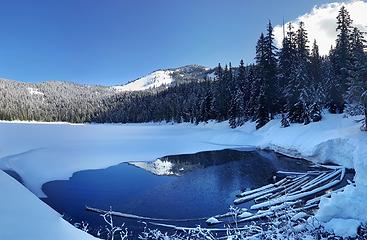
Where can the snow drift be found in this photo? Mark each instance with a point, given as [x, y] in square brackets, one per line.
[24, 216]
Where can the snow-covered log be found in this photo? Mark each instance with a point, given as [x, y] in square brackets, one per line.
[279, 183]
[299, 195]
[320, 181]
[136, 217]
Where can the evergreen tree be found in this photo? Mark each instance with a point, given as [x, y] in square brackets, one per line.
[223, 91]
[206, 107]
[341, 60]
[315, 74]
[287, 65]
[236, 111]
[244, 86]
[358, 73]
[300, 92]
[241, 76]
[262, 117]
[266, 84]
[261, 85]
[334, 96]
[219, 72]
[270, 84]
[254, 92]
[285, 122]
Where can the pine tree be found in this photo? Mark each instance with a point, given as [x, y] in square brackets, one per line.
[232, 113]
[236, 111]
[300, 92]
[334, 96]
[266, 71]
[262, 117]
[254, 92]
[271, 86]
[358, 73]
[241, 76]
[223, 92]
[287, 66]
[261, 85]
[243, 85]
[284, 122]
[315, 74]
[341, 61]
[314, 112]
[219, 72]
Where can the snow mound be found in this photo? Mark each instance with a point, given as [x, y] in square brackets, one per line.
[245, 215]
[24, 216]
[212, 220]
[343, 227]
[349, 204]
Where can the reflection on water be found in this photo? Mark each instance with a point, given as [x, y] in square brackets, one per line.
[208, 186]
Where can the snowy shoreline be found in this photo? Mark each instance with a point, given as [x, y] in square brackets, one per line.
[56, 151]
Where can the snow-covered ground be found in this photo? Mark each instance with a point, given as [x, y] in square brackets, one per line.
[45, 152]
[23, 216]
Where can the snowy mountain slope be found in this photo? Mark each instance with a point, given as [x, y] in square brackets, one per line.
[153, 80]
[165, 78]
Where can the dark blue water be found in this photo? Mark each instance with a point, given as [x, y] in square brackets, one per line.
[207, 188]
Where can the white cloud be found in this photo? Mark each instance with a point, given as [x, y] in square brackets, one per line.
[320, 23]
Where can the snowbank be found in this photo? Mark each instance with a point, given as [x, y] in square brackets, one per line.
[24, 216]
[41, 152]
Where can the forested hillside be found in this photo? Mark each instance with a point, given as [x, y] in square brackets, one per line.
[293, 81]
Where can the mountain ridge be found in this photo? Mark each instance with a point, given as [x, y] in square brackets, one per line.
[165, 78]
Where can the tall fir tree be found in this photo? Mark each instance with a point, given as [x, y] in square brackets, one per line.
[315, 74]
[358, 73]
[206, 107]
[287, 66]
[271, 86]
[300, 96]
[254, 92]
[223, 86]
[262, 117]
[236, 110]
[341, 61]
[262, 104]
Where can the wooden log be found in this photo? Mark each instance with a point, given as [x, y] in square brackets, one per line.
[297, 196]
[136, 217]
[279, 183]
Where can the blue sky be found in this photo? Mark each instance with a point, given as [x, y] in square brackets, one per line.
[110, 42]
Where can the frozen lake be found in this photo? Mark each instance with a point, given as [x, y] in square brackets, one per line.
[207, 186]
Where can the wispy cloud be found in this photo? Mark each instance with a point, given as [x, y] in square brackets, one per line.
[321, 22]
